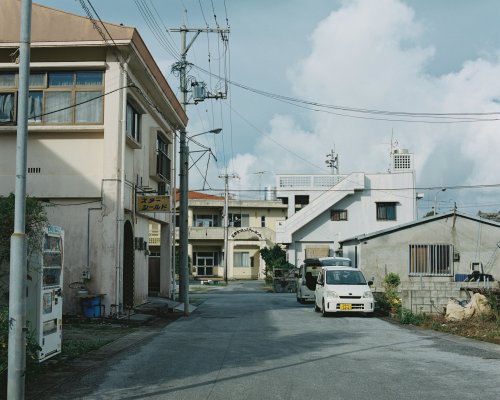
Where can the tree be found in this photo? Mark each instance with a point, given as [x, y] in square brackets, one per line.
[36, 220]
[274, 257]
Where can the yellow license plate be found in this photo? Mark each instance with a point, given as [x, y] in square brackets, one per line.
[346, 307]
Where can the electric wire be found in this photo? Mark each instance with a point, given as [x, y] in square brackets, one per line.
[452, 117]
[155, 28]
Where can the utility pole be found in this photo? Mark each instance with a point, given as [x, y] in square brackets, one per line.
[226, 218]
[18, 264]
[181, 67]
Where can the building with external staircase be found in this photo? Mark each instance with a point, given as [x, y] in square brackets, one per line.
[322, 210]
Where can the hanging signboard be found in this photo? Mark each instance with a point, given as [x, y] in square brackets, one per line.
[153, 203]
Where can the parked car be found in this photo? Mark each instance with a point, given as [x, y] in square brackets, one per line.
[343, 289]
[307, 275]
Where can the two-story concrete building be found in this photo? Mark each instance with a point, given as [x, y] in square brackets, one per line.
[102, 122]
[324, 209]
[251, 227]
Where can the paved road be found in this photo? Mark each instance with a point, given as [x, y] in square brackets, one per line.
[242, 343]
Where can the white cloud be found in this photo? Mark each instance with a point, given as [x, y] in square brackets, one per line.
[367, 55]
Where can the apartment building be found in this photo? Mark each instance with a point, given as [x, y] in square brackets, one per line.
[102, 122]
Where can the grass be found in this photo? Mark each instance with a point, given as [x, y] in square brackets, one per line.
[484, 329]
[80, 336]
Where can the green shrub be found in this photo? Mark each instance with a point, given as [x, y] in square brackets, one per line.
[32, 346]
[392, 280]
[390, 297]
[407, 317]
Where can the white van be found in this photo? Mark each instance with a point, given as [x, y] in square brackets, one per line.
[343, 289]
[307, 275]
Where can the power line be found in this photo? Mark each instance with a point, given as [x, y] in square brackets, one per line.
[453, 117]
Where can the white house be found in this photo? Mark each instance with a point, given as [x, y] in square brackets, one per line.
[432, 256]
[102, 122]
[325, 209]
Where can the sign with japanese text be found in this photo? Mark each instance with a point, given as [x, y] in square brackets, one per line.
[153, 203]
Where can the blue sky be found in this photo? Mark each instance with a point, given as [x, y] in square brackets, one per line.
[437, 56]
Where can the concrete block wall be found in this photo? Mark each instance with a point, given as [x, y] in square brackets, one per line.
[432, 297]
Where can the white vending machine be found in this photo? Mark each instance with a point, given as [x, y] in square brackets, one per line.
[45, 297]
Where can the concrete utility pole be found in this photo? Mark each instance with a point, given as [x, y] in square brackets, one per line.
[226, 218]
[182, 66]
[18, 269]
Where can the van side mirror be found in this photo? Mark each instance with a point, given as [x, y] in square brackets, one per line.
[370, 283]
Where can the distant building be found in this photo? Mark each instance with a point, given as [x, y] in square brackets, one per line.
[102, 122]
[325, 209]
[251, 227]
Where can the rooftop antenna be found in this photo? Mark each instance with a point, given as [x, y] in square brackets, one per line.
[392, 147]
[332, 161]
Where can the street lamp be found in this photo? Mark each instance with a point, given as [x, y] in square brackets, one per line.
[435, 199]
[183, 216]
[216, 131]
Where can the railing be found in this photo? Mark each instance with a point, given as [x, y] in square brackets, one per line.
[308, 181]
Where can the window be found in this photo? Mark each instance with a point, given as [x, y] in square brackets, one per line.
[7, 101]
[7, 80]
[205, 262]
[133, 123]
[35, 104]
[55, 97]
[162, 160]
[162, 188]
[57, 101]
[241, 259]
[386, 211]
[263, 221]
[89, 109]
[206, 220]
[431, 259]
[338, 215]
[239, 220]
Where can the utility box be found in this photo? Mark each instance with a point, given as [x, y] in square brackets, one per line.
[44, 302]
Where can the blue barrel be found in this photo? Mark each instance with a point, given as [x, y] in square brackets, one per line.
[91, 306]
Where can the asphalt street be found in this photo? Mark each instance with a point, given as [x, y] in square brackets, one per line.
[244, 343]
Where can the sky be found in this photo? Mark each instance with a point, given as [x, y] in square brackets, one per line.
[411, 56]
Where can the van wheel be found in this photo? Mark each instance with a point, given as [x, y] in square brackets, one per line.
[323, 311]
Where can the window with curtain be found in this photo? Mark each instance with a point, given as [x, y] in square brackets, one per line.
[91, 109]
[386, 211]
[431, 259]
[35, 100]
[7, 80]
[7, 107]
[56, 110]
[55, 94]
[241, 259]
[338, 215]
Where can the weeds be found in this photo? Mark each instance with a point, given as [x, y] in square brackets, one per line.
[406, 317]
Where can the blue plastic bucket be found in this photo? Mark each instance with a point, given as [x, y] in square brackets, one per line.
[91, 307]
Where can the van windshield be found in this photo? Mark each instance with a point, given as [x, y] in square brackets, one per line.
[336, 262]
[341, 277]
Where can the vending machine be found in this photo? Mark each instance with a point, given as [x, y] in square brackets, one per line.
[45, 298]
